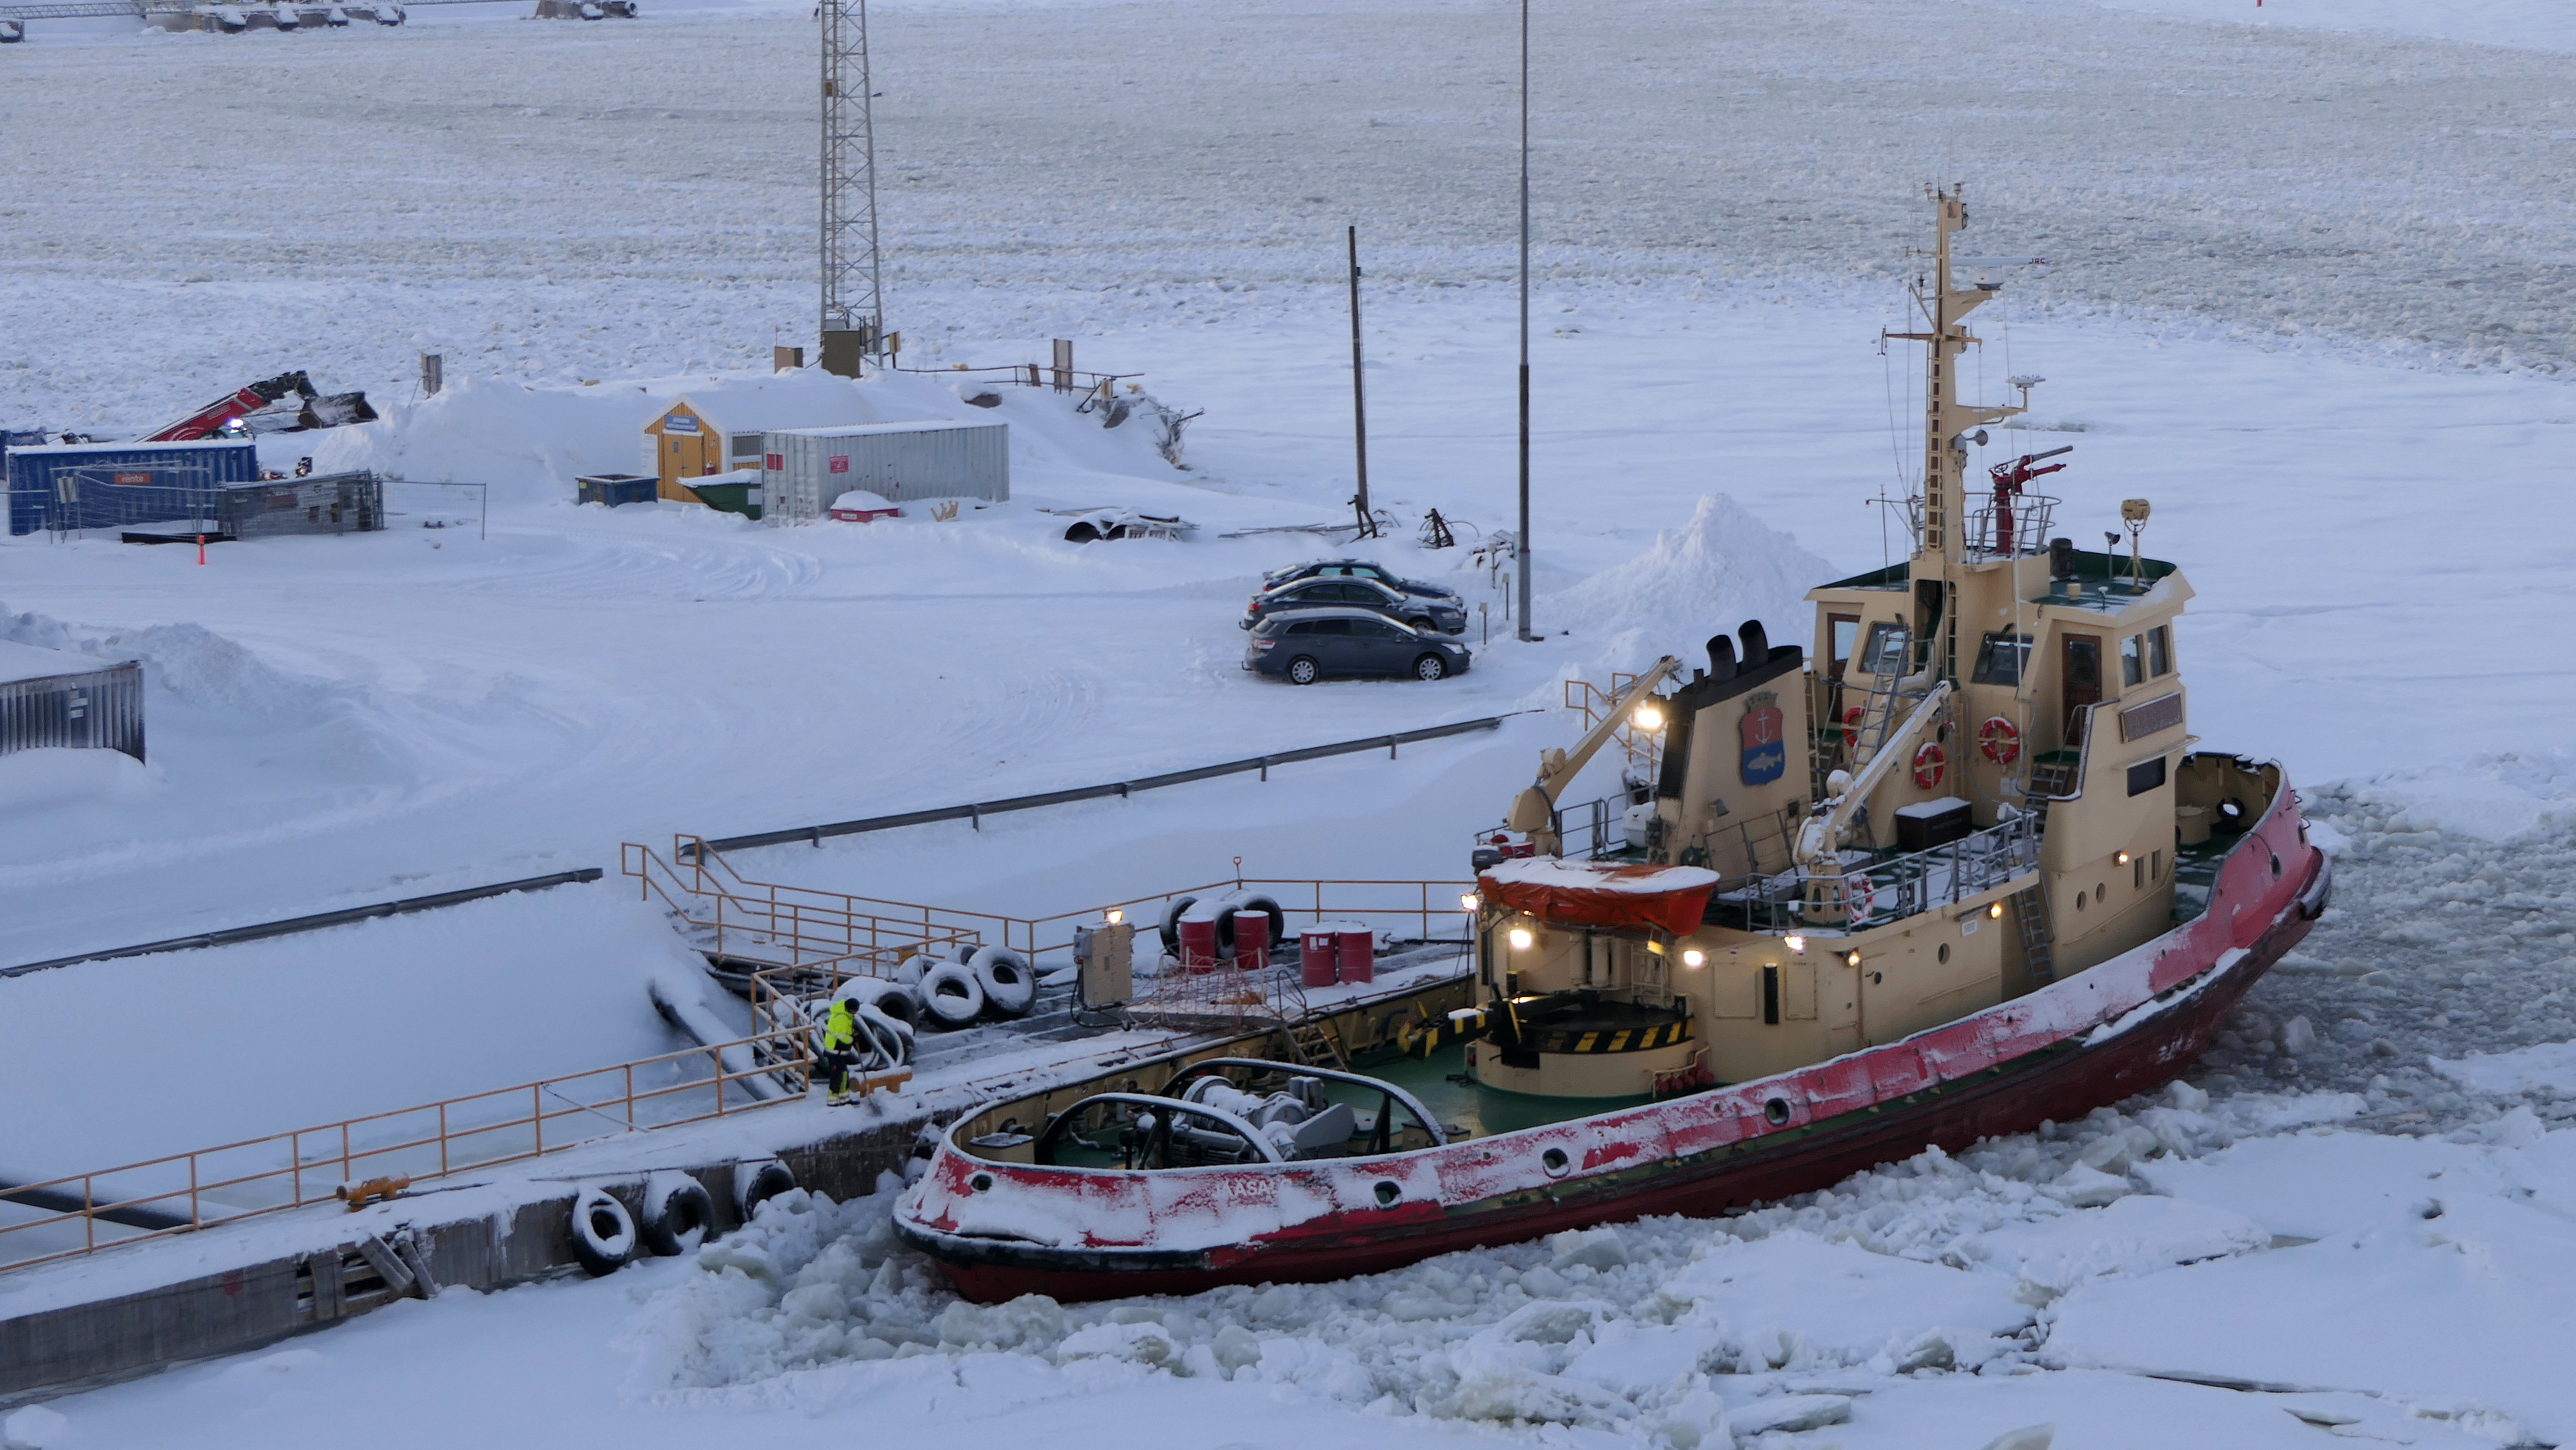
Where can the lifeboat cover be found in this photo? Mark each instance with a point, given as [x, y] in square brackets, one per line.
[1613, 894]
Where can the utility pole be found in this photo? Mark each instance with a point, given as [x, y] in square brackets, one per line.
[1359, 395]
[853, 300]
[1521, 540]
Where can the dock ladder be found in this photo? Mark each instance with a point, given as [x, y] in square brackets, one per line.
[1313, 1043]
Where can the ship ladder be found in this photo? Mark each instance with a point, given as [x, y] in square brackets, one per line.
[2030, 913]
[1879, 715]
[1314, 1044]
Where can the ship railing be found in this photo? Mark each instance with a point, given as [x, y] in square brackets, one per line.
[2013, 530]
[1871, 893]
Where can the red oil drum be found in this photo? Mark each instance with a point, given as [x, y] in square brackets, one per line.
[1316, 963]
[1251, 940]
[1357, 954]
[1198, 945]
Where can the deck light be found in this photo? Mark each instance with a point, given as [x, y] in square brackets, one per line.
[1996, 911]
[1521, 938]
[1469, 902]
[1648, 717]
[1114, 916]
[1797, 944]
[1693, 957]
[1853, 960]
[2122, 858]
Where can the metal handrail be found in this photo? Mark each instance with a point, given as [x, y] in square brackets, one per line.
[1878, 892]
[352, 1150]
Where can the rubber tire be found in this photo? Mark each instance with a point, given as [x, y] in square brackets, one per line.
[1172, 925]
[763, 1182]
[1313, 671]
[1260, 901]
[908, 971]
[951, 997]
[603, 1233]
[1082, 533]
[679, 1214]
[1430, 667]
[1010, 988]
[893, 998]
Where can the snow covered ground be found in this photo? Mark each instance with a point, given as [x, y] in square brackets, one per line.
[2309, 298]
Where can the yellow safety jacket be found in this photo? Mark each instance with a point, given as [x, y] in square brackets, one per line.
[840, 1030]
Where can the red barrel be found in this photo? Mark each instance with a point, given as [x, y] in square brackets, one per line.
[1316, 948]
[1357, 953]
[1251, 940]
[1198, 945]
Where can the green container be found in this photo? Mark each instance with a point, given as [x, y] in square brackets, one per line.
[733, 498]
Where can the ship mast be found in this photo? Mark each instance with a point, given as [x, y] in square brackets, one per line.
[1940, 541]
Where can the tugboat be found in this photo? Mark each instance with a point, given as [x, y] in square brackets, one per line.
[1958, 870]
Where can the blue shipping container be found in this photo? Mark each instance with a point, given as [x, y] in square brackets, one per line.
[65, 486]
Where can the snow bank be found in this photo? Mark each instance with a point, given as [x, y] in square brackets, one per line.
[1707, 577]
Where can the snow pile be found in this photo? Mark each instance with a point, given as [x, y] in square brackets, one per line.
[1707, 577]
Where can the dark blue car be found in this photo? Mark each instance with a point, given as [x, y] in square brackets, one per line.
[1309, 644]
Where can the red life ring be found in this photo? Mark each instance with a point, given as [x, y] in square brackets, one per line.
[1929, 763]
[1999, 741]
[1851, 727]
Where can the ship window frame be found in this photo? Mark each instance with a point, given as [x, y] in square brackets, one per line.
[2159, 652]
[1771, 994]
[2147, 775]
[1992, 666]
[1888, 640]
[2133, 660]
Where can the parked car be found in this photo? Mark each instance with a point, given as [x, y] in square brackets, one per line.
[1310, 644]
[1446, 616]
[1353, 569]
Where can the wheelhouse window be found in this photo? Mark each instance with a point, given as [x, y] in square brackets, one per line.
[2159, 651]
[2001, 659]
[1885, 654]
[2133, 659]
[1842, 631]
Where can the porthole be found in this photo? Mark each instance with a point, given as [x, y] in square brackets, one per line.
[2276, 868]
[1777, 1112]
[2101, 890]
[1554, 1161]
[2079, 901]
[1945, 954]
[981, 1183]
[1388, 1191]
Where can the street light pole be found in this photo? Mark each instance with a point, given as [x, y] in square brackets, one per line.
[1521, 540]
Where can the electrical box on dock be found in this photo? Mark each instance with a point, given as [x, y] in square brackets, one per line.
[1105, 957]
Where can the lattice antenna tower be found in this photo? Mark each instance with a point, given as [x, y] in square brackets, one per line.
[853, 295]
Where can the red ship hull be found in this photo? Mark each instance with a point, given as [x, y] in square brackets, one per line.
[2126, 1026]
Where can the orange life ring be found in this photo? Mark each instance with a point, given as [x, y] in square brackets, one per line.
[1851, 727]
[1929, 763]
[1999, 741]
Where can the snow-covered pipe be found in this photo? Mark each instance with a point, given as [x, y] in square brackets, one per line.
[689, 1013]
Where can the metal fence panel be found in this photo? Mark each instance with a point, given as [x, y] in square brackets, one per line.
[100, 710]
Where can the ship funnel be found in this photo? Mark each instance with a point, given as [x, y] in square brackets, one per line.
[1757, 643]
[1721, 657]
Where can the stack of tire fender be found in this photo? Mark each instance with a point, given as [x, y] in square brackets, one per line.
[953, 986]
[675, 1215]
[1199, 931]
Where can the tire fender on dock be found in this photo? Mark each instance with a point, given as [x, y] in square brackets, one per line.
[678, 1213]
[1172, 924]
[757, 1182]
[603, 1233]
[950, 995]
[1260, 901]
[1010, 988]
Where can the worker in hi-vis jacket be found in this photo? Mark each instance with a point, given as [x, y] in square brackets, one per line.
[840, 1041]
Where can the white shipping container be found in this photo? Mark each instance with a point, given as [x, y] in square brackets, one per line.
[804, 469]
